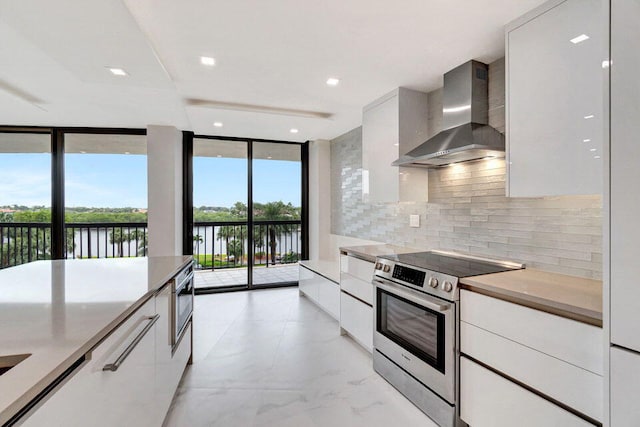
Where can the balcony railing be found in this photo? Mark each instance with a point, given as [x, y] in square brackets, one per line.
[225, 244]
[216, 244]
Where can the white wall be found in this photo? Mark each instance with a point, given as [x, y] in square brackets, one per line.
[319, 198]
[164, 181]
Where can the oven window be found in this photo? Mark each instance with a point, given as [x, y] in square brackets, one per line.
[417, 329]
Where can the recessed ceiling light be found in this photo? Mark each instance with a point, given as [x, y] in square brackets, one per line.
[586, 140]
[606, 63]
[294, 130]
[333, 81]
[269, 157]
[217, 124]
[83, 152]
[592, 149]
[579, 39]
[590, 116]
[126, 152]
[596, 157]
[207, 60]
[117, 71]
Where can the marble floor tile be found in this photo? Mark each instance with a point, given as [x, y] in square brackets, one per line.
[271, 358]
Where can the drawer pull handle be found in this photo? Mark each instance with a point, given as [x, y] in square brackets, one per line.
[115, 365]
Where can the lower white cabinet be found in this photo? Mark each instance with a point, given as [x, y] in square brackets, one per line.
[625, 388]
[356, 318]
[322, 291]
[169, 364]
[97, 397]
[490, 400]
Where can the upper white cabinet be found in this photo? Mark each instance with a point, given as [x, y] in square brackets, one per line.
[392, 126]
[625, 175]
[554, 99]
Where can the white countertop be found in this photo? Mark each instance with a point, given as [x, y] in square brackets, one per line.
[58, 310]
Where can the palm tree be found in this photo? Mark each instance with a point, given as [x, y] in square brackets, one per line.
[234, 235]
[119, 237]
[276, 211]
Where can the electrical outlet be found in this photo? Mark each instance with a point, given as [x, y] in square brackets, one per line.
[414, 221]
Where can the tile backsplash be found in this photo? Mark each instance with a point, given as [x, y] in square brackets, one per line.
[467, 209]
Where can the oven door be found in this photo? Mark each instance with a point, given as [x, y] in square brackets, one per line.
[416, 332]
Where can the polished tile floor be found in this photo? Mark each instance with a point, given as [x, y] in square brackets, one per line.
[272, 358]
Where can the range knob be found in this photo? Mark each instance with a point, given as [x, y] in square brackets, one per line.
[433, 282]
[447, 286]
[386, 269]
[378, 266]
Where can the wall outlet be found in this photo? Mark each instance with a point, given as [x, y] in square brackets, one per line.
[414, 221]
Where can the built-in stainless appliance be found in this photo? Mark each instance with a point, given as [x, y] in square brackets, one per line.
[415, 338]
[181, 303]
[466, 134]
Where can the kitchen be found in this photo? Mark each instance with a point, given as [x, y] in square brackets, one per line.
[514, 310]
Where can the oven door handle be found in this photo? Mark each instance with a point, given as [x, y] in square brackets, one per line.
[182, 284]
[423, 300]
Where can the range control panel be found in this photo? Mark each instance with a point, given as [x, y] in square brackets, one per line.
[431, 282]
[409, 275]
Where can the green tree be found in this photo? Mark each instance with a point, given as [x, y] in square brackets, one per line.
[118, 237]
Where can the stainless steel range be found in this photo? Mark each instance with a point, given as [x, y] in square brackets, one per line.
[416, 335]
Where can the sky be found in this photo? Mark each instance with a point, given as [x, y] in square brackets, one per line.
[118, 180]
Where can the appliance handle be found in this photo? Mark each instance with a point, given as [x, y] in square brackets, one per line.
[127, 351]
[423, 300]
[186, 280]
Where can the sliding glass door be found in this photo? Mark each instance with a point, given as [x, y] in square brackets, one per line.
[246, 213]
[277, 202]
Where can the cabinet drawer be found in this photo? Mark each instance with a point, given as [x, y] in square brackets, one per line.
[98, 398]
[357, 287]
[573, 386]
[357, 319]
[625, 388]
[356, 267]
[569, 340]
[329, 297]
[490, 400]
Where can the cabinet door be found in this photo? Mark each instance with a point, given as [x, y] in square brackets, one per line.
[308, 284]
[625, 173]
[625, 388]
[380, 141]
[555, 109]
[95, 397]
[357, 319]
[329, 297]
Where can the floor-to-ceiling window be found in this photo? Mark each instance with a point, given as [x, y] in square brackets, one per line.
[247, 213]
[105, 195]
[25, 197]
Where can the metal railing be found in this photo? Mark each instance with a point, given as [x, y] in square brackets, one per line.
[22, 242]
[220, 244]
[225, 244]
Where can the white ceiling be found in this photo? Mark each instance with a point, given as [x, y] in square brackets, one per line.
[276, 53]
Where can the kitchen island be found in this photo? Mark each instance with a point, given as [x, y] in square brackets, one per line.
[57, 312]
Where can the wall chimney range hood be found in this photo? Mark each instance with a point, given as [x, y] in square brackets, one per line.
[466, 135]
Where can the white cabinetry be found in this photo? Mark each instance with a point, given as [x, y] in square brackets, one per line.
[625, 388]
[624, 292]
[391, 126]
[490, 400]
[356, 299]
[555, 356]
[554, 100]
[97, 397]
[625, 174]
[322, 291]
[169, 364]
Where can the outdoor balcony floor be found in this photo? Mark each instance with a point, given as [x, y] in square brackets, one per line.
[238, 276]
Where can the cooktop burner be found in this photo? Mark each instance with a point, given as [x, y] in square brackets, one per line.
[451, 264]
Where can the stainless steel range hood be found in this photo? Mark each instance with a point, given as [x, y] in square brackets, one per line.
[466, 135]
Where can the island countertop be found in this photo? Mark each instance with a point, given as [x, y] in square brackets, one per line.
[567, 296]
[56, 311]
